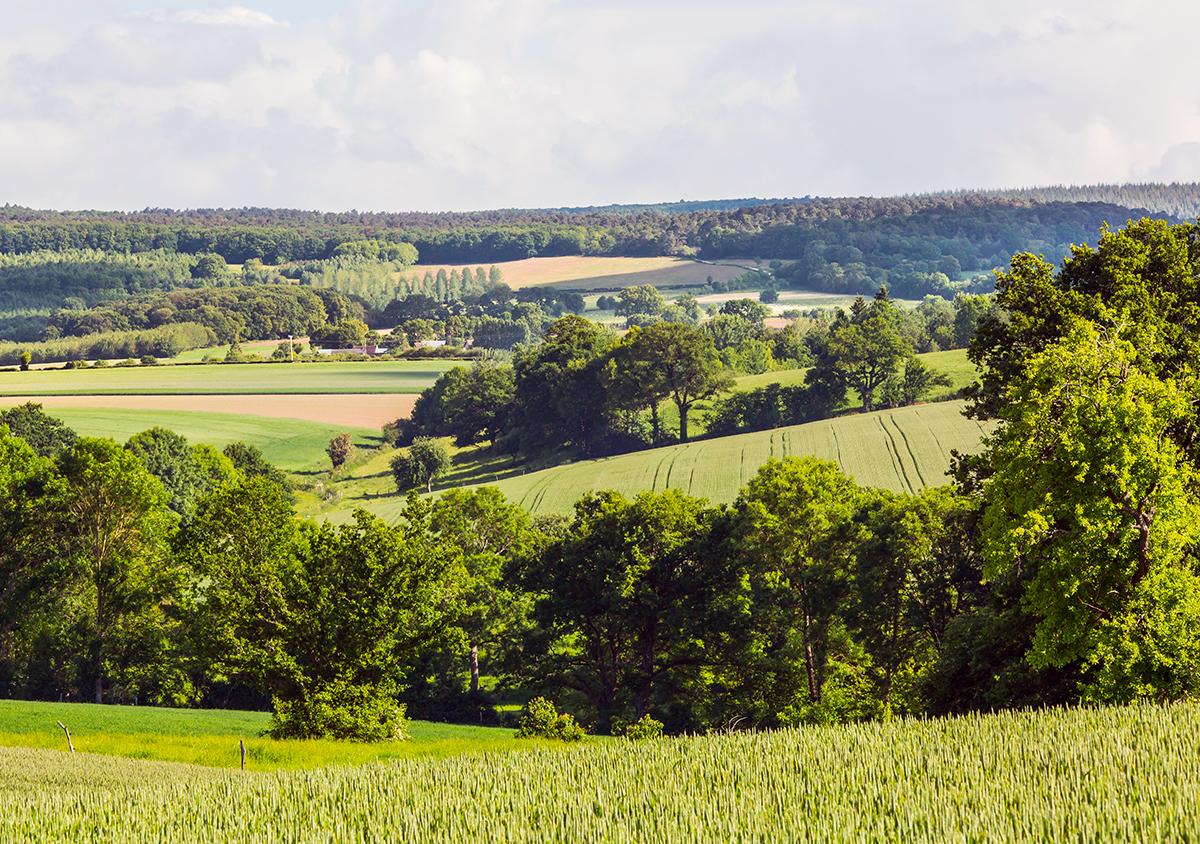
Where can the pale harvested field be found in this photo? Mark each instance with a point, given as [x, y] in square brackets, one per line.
[584, 272]
[359, 410]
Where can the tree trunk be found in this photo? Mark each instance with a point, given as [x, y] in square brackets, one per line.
[683, 431]
[474, 669]
[641, 698]
[810, 661]
[654, 423]
[429, 484]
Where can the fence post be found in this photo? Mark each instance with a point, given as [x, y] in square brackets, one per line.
[242, 745]
[70, 744]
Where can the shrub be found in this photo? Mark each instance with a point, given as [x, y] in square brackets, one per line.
[149, 360]
[340, 710]
[426, 460]
[643, 728]
[340, 449]
[539, 719]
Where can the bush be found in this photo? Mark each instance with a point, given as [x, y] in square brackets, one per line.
[539, 719]
[340, 450]
[149, 360]
[341, 710]
[643, 728]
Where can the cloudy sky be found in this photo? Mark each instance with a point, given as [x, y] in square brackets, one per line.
[461, 104]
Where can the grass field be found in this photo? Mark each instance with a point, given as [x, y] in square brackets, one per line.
[1117, 774]
[589, 272]
[352, 410]
[293, 445]
[906, 450]
[406, 376]
[210, 736]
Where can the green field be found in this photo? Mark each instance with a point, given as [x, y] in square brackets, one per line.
[210, 736]
[291, 444]
[905, 449]
[405, 376]
[1113, 774]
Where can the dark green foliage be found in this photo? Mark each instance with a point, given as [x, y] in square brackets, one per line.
[170, 458]
[249, 460]
[44, 433]
[347, 334]
[559, 397]
[772, 406]
[165, 341]
[420, 465]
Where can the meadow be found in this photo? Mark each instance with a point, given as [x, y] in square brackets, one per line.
[402, 376]
[1116, 774]
[905, 450]
[293, 445]
[210, 737]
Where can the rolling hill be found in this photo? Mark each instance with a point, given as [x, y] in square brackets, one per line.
[906, 449]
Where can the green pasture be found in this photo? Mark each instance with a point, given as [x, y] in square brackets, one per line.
[210, 736]
[906, 450]
[1101, 774]
[404, 376]
[292, 444]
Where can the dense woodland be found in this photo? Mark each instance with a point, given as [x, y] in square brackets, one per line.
[938, 244]
[1059, 566]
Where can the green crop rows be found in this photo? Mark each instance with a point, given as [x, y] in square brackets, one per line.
[1119, 774]
[906, 449]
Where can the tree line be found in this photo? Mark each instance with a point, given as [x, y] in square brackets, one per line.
[584, 388]
[900, 241]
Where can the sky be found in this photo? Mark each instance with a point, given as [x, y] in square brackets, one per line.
[472, 104]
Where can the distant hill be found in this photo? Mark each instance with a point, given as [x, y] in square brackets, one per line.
[1178, 199]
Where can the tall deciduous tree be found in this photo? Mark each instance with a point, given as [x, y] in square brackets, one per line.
[120, 528]
[685, 363]
[483, 534]
[622, 598]
[791, 524]
[862, 351]
[1091, 493]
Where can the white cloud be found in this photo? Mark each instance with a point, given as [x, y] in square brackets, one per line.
[228, 16]
[443, 104]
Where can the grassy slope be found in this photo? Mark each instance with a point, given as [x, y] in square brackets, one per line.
[905, 449]
[210, 736]
[291, 444]
[347, 377]
[1098, 774]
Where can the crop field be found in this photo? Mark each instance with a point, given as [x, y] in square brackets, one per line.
[588, 272]
[1114, 774]
[291, 444]
[405, 376]
[210, 737]
[905, 450]
[353, 410]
